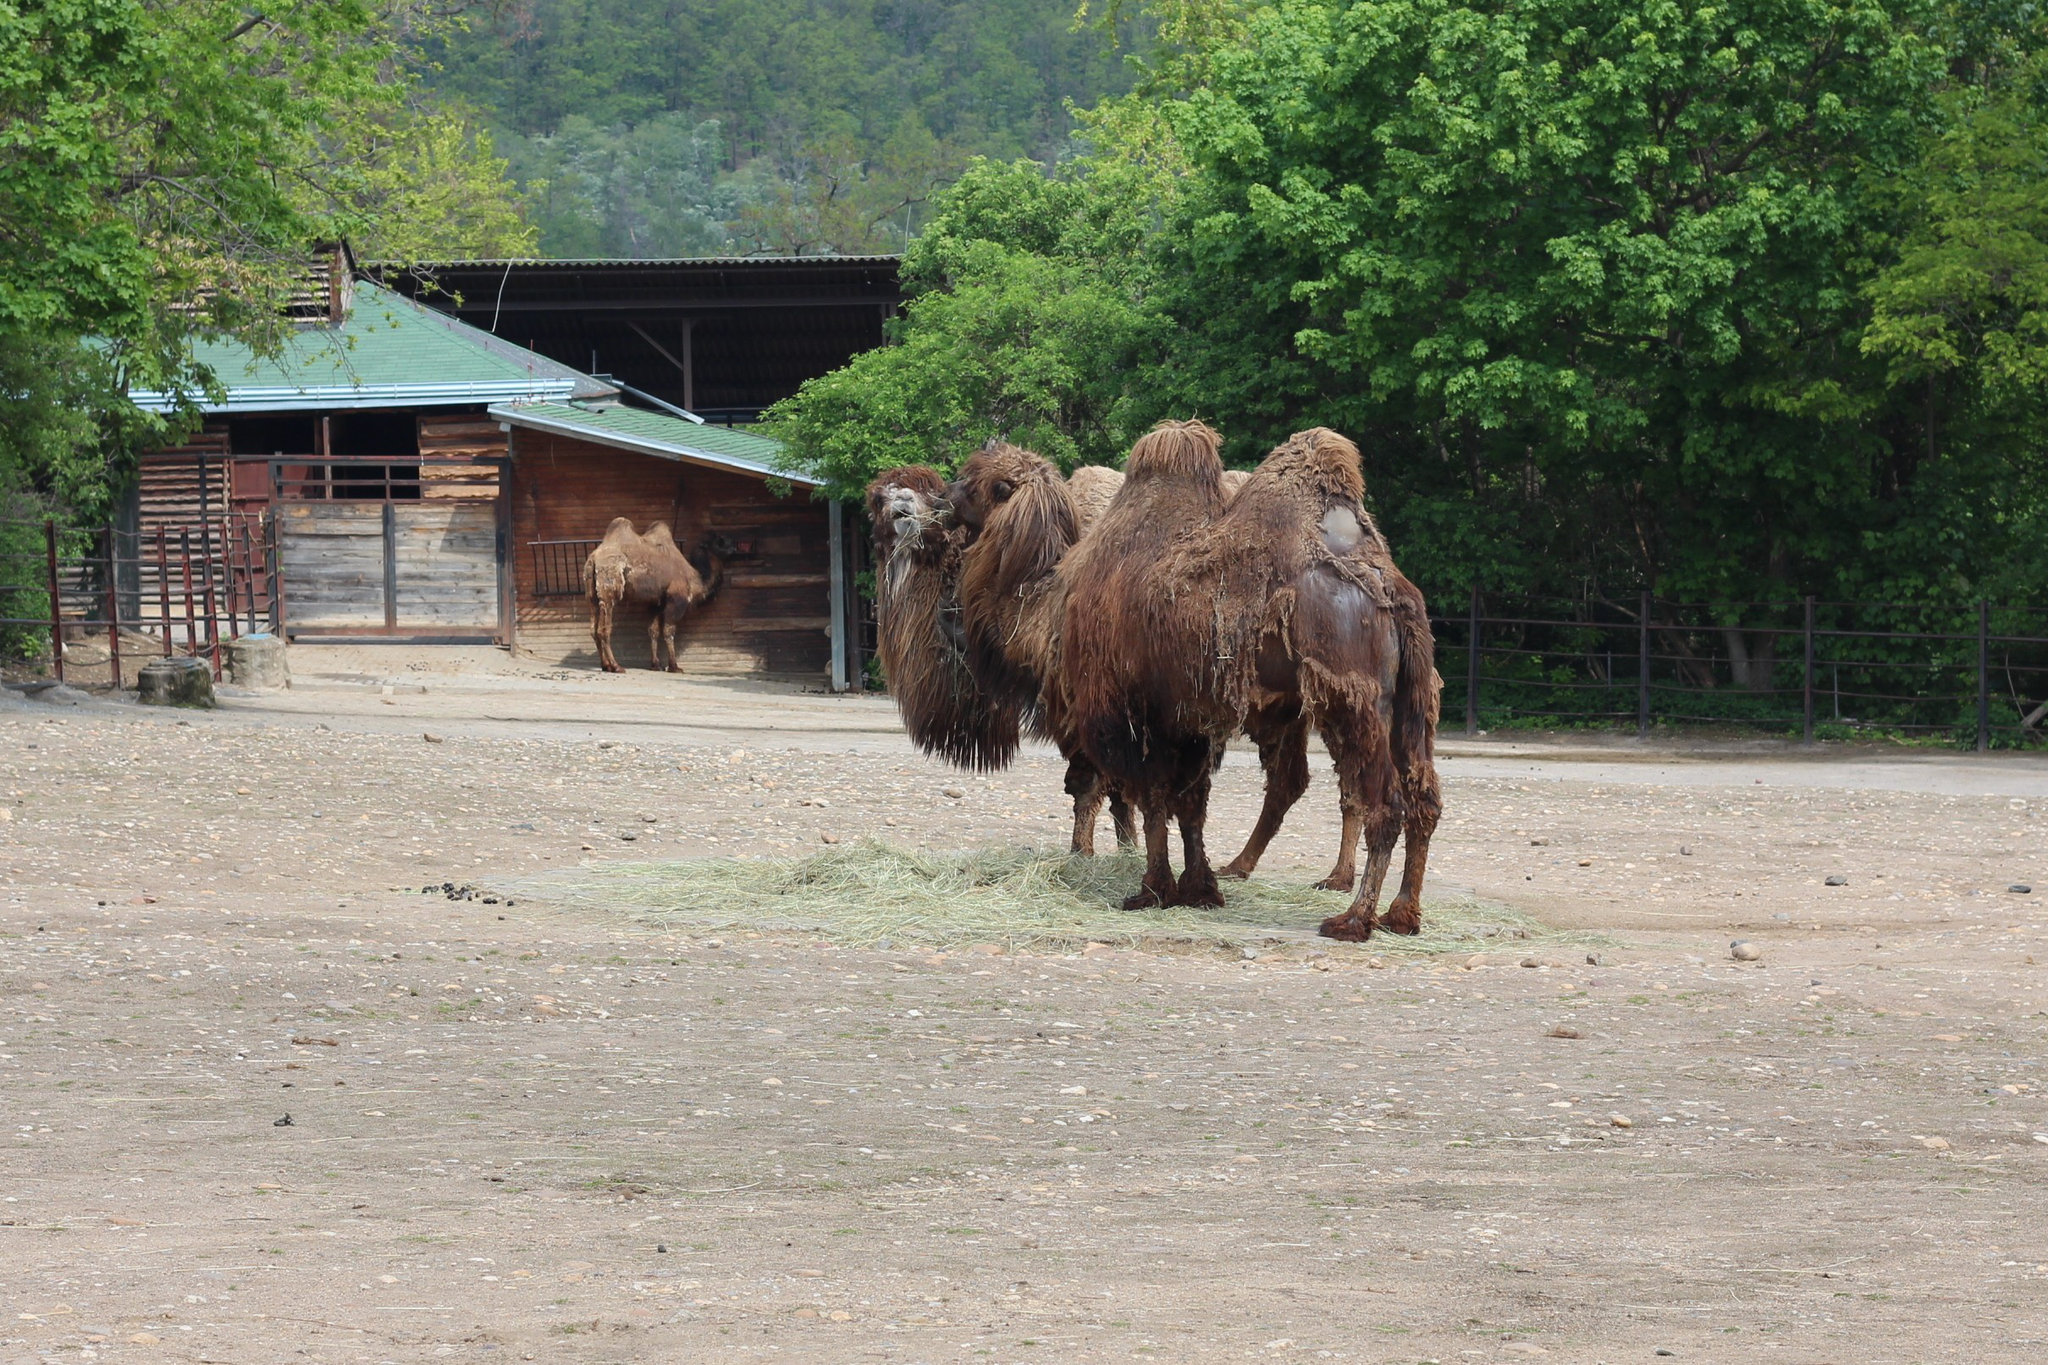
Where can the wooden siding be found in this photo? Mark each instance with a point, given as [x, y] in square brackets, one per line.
[772, 616]
[441, 577]
[332, 562]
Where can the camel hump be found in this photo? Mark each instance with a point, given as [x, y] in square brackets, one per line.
[1184, 451]
[659, 534]
[619, 525]
[1093, 487]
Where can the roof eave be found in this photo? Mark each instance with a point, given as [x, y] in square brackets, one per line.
[341, 397]
[512, 414]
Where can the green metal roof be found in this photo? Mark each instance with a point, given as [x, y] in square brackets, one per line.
[653, 433]
[391, 352]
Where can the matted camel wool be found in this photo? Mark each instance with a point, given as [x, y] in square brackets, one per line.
[865, 892]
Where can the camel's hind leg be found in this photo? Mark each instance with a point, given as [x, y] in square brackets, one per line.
[654, 624]
[1349, 717]
[1282, 737]
[669, 620]
[601, 607]
[1422, 798]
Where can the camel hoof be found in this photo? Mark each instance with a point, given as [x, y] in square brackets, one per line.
[1145, 899]
[1347, 927]
[1335, 883]
[1201, 892]
[1402, 917]
[1232, 872]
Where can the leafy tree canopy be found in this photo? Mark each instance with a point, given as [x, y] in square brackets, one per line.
[1714, 299]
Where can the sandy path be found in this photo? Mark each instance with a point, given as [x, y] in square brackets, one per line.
[500, 1115]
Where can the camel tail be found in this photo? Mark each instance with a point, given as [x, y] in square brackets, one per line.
[1417, 688]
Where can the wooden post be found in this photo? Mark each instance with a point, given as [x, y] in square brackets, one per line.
[113, 608]
[390, 567]
[56, 603]
[835, 543]
[1472, 666]
[1806, 729]
[1983, 676]
[1643, 669]
[163, 590]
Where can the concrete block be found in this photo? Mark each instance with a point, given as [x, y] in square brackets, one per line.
[258, 661]
[175, 682]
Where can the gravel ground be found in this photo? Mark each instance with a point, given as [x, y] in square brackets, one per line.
[521, 1131]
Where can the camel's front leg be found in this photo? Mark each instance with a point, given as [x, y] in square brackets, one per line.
[1120, 816]
[601, 633]
[1084, 784]
[1283, 753]
[1158, 886]
[1197, 879]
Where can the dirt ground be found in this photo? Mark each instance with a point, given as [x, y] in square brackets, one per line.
[522, 1132]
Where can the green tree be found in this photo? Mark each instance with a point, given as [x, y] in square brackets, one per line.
[165, 166]
[1027, 322]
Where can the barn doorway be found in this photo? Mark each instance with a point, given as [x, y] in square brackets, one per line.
[398, 547]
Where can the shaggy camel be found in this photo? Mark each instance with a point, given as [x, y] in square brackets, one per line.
[647, 571]
[1268, 614]
[967, 708]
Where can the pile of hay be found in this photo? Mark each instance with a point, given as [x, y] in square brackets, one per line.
[866, 893]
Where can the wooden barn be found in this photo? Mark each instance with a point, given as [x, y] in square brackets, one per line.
[398, 474]
[575, 466]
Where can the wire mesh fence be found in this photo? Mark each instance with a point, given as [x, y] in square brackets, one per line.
[1974, 672]
[91, 606]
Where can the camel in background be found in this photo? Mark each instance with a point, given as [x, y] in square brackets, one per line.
[648, 571]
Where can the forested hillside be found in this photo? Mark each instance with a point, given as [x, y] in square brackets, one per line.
[675, 127]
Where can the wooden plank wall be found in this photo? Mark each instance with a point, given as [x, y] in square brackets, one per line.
[446, 556]
[772, 617]
[332, 561]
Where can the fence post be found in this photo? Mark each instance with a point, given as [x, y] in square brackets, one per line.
[1472, 667]
[56, 602]
[273, 566]
[163, 590]
[113, 608]
[191, 623]
[1983, 675]
[211, 603]
[1806, 730]
[1643, 670]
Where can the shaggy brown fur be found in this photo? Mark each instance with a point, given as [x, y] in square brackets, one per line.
[1271, 616]
[973, 720]
[918, 635]
[648, 571]
[1130, 688]
[1092, 487]
[1021, 519]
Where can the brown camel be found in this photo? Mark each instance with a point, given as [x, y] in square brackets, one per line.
[967, 706]
[918, 635]
[1187, 619]
[651, 571]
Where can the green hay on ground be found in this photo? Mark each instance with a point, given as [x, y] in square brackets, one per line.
[865, 893]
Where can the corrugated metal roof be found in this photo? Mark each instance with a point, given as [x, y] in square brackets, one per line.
[391, 352]
[653, 433]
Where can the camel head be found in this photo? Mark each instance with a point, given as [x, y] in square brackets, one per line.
[709, 561]
[1001, 477]
[907, 505]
